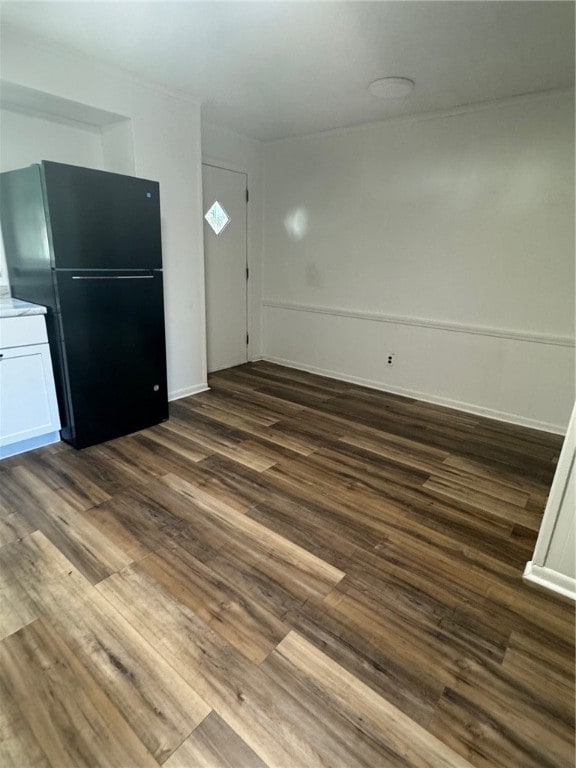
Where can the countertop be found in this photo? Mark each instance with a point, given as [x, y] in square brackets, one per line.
[10, 307]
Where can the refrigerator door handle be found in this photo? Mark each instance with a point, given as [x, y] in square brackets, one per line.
[112, 277]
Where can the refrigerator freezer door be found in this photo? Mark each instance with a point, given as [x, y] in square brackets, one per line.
[115, 353]
[101, 220]
[25, 236]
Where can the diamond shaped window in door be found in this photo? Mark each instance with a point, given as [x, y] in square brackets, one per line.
[217, 217]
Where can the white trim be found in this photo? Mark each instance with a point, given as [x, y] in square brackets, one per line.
[490, 413]
[202, 244]
[178, 394]
[22, 446]
[464, 109]
[440, 325]
[553, 525]
[557, 493]
[549, 579]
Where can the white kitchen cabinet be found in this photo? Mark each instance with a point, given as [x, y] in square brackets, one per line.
[28, 407]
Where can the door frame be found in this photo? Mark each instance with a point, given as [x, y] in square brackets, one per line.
[224, 165]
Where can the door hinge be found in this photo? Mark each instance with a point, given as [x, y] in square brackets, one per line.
[247, 339]
[247, 273]
[247, 195]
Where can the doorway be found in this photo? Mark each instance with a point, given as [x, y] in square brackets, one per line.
[225, 263]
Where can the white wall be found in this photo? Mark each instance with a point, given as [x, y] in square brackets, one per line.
[165, 135]
[228, 149]
[26, 139]
[447, 240]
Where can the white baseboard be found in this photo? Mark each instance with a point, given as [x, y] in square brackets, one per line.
[178, 394]
[460, 405]
[549, 579]
[13, 449]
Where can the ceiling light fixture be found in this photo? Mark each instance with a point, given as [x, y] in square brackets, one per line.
[391, 87]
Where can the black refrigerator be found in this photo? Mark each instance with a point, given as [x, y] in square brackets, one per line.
[86, 244]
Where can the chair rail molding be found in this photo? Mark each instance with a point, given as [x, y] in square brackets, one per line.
[441, 325]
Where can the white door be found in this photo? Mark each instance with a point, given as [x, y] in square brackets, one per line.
[225, 265]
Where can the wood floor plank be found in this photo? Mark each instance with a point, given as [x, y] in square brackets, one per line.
[279, 720]
[18, 745]
[230, 382]
[172, 441]
[240, 620]
[107, 518]
[67, 711]
[271, 721]
[548, 656]
[483, 719]
[278, 437]
[363, 519]
[482, 501]
[477, 594]
[499, 474]
[370, 656]
[224, 441]
[262, 568]
[399, 736]
[286, 388]
[16, 608]
[14, 527]
[543, 670]
[124, 454]
[73, 487]
[144, 518]
[433, 619]
[234, 412]
[312, 526]
[231, 482]
[156, 702]
[282, 373]
[441, 469]
[394, 582]
[100, 469]
[213, 744]
[392, 508]
[526, 459]
[348, 460]
[85, 546]
[342, 429]
[477, 531]
[314, 575]
[249, 409]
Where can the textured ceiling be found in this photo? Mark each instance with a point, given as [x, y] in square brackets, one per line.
[276, 69]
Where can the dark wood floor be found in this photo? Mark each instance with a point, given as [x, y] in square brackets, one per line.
[290, 572]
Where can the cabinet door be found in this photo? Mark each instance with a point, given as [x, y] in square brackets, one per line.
[27, 398]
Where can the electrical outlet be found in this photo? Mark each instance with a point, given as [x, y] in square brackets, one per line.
[390, 359]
